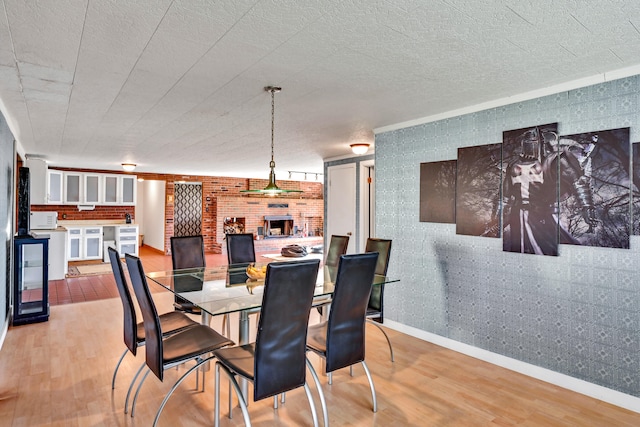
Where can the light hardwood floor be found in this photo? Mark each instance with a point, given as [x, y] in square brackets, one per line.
[58, 373]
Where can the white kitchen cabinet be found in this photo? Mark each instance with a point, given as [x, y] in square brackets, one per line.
[73, 187]
[37, 181]
[75, 243]
[128, 189]
[77, 188]
[92, 242]
[84, 243]
[55, 187]
[119, 190]
[110, 190]
[92, 188]
[126, 237]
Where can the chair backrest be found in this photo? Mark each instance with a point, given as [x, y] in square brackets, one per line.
[383, 247]
[240, 248]
[130, 320]
[337, 247]
[152, 329]
[346, 325]
[280, 349]
[187, 252]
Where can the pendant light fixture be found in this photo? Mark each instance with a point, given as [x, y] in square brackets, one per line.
[271, 188]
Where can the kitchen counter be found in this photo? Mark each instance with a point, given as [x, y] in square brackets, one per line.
[93, 222]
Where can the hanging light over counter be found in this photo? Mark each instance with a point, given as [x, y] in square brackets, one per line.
[272, 188]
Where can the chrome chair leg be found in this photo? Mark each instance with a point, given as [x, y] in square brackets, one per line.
[385, 335]
[373, 389]
[236, 387]
[175, 386]
[282, 396]
[115, 372]
[133, 381]
[323, 402]
[330, 378]
[314, 413]
[135, 397]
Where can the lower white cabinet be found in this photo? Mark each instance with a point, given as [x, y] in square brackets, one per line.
[75, 243]
[85, 243]
[127, 239]
[92, 243]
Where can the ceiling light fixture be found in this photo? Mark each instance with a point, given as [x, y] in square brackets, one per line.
[360, 148]
[129, 167]
[271, 188]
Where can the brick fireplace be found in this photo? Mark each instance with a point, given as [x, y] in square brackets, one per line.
[299, 221]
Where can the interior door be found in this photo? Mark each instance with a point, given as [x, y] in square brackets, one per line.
[187, 216]
[341, 203]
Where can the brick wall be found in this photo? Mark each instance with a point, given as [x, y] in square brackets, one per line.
[309, 203]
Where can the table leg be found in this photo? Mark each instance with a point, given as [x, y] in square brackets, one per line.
[243, 338]
[323, 318]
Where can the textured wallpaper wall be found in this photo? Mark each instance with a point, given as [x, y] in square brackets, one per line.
[577, 314]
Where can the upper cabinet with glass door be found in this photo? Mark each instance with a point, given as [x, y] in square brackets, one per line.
[55, 185]
[77, 188]
[92, 188]
[73, 188]
[119, 190]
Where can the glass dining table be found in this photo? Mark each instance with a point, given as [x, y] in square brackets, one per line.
[228, 289]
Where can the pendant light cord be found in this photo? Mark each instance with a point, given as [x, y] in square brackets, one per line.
[272, 90]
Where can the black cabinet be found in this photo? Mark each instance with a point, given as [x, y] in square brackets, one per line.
[31, 280]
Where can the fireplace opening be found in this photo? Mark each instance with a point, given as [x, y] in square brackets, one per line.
[278, 226]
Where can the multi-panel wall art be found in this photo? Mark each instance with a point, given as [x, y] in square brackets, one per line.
[477, 201]
[438, 191]
[635, 190]
[539, 189]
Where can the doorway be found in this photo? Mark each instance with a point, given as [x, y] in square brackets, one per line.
[341, 203]
[187, 215]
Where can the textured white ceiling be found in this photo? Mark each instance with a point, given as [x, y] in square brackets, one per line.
[176, 86]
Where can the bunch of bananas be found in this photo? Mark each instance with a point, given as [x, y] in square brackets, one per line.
[256, 273]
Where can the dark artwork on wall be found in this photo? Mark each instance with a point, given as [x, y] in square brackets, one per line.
[478, 190]
[635, 190]
[595, 200]
[529, 190]
[438, 192]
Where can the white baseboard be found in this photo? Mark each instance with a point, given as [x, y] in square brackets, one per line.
[613, 397]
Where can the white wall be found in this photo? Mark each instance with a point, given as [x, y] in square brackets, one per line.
[153, 195]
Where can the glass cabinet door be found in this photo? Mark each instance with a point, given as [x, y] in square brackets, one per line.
[91, 188]
[110, 190]
[72, 187]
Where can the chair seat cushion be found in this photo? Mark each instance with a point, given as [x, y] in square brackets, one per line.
[170, 323]
[238, 359]
[372, 312]
[191, 342]
[317, 338]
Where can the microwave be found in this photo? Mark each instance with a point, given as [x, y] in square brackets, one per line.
[43, 220]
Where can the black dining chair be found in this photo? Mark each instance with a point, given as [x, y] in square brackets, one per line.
[187, 252]
[275, 362]
[134, 336]
[240, 248]
[196, 343]
[375, 309]
[337, 247]
[341, 339]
